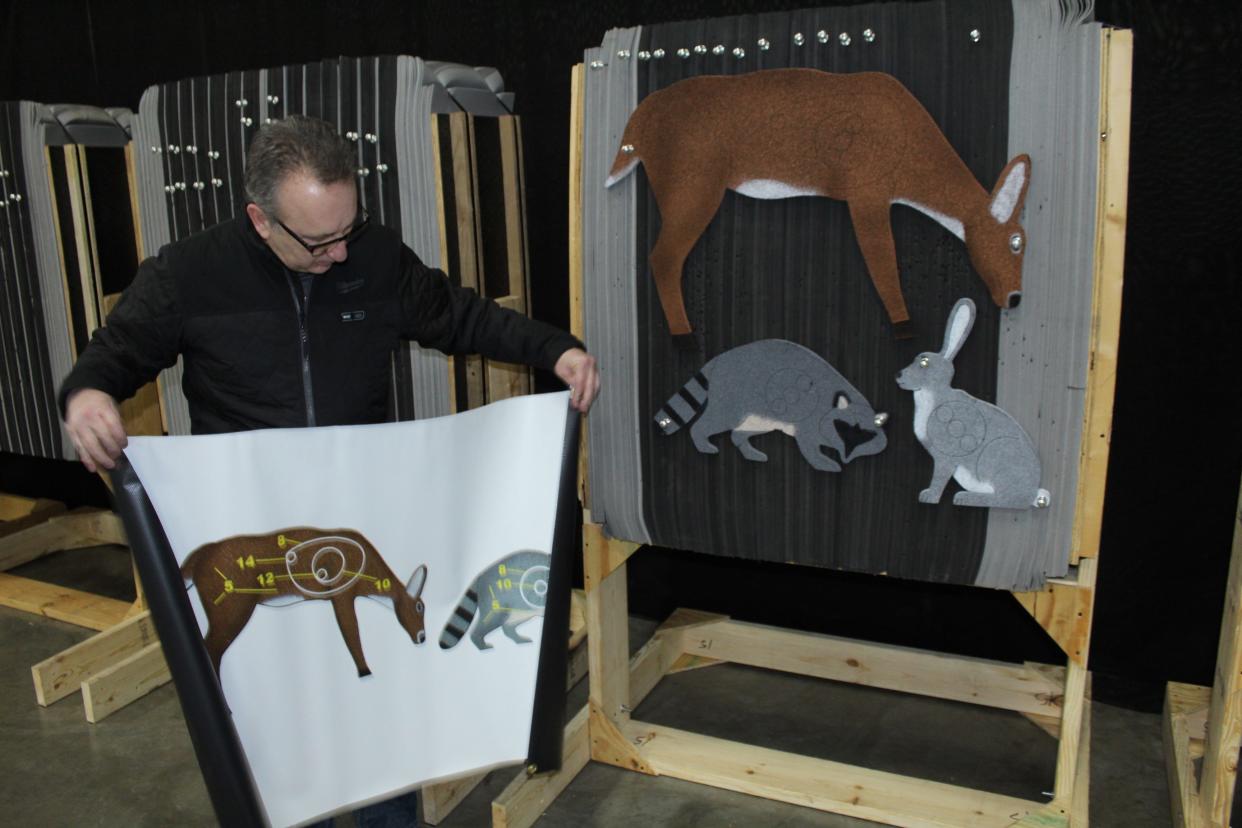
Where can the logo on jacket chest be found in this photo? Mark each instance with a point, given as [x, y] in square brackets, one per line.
[350, 286]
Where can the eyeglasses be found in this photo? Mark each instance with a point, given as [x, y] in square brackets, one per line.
[319, 248]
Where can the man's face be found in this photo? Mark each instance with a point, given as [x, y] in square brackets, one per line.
[315, 212]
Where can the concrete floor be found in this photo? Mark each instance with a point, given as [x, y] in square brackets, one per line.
[137, 768]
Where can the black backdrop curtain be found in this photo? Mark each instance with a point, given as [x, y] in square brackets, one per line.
[1175, 452]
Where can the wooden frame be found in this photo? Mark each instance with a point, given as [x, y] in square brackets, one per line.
[1054, 697]
[1203, 726]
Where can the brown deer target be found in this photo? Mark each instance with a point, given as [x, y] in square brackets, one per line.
[237, 574]
[861, 138]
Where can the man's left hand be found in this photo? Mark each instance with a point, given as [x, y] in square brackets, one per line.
[577, 369]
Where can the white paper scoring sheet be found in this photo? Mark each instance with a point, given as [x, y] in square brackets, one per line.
[457, 494]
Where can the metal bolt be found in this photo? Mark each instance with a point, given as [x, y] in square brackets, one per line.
[844, 38]
[273, 99]
[4, 173]
[16, 197]
[644, 55]
[240, 102]
[683, 53]
[718, 49]
[214, 155]
[216, 182]
[351, 135]
[180, 185]
[624, 54]
[869, 35]
[627, 148]
[881, 419]
[597, 64]
[764, 45]
[700, 49]
[381, 168]
[371, 137]
[799, 39]
[924, 362]
[174, 149]
[168, 188]
[657, 54]
[192, 150]
[1103, 136]
[157, 149]
[364, 172]
[198, 185]
[975, 35]
[247, 121]
[1015, 242]
[1042, 502]
[664, 422]
[822, 35]
[739, 52]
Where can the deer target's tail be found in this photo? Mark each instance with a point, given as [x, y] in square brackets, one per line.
[460, 620]
[683, 406]
[629, 153]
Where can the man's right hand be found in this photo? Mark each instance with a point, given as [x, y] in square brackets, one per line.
[93, 421]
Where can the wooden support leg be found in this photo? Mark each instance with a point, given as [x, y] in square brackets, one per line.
[63, 673]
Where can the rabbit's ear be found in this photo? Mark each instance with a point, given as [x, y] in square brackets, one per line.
[961, 319]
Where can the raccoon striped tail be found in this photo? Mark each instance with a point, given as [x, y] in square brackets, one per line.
[460, 620]
[683, 406]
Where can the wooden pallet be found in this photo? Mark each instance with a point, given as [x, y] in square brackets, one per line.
[1203, 725]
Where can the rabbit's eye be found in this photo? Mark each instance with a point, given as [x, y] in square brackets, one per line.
[924, 362]
[1015, 242]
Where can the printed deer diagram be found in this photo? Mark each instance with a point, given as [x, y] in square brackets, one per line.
[507, 594]
[861, 138]
[235, 575]
[776, 385]
[971, 441]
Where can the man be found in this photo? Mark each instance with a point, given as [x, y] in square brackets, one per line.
[287, 316]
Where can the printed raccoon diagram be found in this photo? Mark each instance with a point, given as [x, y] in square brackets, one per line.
[513, 590]
[237, 574]
[776, 385]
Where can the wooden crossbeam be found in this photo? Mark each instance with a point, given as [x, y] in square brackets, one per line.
[63, 673]
[124, 682]
[61, 603]
[1025, 688]
[824, 784]
[78, 529]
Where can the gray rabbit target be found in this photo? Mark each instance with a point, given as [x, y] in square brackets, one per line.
[971, 441]
[776, 385]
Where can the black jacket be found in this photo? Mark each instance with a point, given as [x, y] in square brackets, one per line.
[224, 302]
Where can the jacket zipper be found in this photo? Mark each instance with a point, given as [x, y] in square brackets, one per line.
[304, 344]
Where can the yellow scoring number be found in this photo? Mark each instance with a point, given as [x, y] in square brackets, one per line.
[504, 583]
[266, 579]
[246, 562]
[383, 584]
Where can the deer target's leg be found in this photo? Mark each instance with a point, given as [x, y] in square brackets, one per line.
[224, 624]
[684, 215]
[741, 439]
[874, 230]
[347, 620]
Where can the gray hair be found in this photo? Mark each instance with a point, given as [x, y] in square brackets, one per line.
[296, 144]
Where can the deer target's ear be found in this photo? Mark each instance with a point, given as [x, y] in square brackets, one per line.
[961, 320]
[1010, 190]
[415, 585]
[841, 401]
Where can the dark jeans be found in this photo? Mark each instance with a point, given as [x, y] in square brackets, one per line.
[398, 812]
